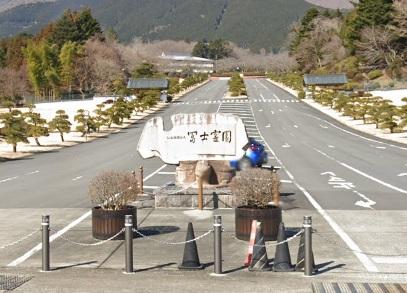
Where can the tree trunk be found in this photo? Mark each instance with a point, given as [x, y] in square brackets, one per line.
[62, 136]
[37, 141]
[14, 148]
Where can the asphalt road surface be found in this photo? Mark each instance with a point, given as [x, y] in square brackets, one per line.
[341, 168]
[355, 181]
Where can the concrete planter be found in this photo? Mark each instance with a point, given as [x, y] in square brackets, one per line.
[270, 217]
[107, 223]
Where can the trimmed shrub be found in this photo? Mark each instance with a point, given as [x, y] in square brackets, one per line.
[374, 74]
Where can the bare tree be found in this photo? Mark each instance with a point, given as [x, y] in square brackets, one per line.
[378, 48]
[13, 82]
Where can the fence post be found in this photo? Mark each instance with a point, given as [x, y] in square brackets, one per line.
[200, 193]
[217, 227]
[141, 180]
[128, 224]
[45, 243]
[308, 257]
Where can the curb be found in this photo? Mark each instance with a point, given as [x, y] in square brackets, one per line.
[7, 156]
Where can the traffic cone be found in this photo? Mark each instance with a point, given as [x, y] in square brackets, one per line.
[190, 260]
[301, 256]
[282, 259]
[259, 260]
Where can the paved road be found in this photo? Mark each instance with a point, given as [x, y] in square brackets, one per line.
[60, 178]
[352, 180]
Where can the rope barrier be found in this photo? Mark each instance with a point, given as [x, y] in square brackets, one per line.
[274, 244]
[172, 243]
[90, 244]
[20, 240]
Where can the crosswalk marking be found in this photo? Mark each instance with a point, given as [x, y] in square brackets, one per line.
[236, 102]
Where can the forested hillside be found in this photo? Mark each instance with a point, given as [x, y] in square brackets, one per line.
[256, 24]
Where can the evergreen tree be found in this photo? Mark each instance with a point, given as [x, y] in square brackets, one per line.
[14, 128]
[100, 118]
[389, 117]
[67, 57]
[75, 26]
[144, 70]
[86, 124]
[35, 125]
[201, 49]
[403, 113]
[306, 26]
[367, 13]
[60, 123]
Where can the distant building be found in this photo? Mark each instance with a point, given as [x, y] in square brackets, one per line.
[148, 84]
[179, 63]
[325, 80]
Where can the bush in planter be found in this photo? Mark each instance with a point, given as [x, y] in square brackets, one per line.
[112, 191]
[258, 194]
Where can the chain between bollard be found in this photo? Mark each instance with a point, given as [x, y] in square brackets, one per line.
[20, 240]
[282, 242]
[172, 243]
[90, 244]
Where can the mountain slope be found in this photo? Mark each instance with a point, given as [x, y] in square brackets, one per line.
[255, 23]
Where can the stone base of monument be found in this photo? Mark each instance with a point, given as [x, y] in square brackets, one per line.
[173, 196]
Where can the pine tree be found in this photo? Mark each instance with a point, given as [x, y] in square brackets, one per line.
[35, 125]
[201, 49]
[14, 128]
[403, 113]
[389, 117]
[60, 123]
[367, 13]
[100, 118]
[86, 124]
[75, 26]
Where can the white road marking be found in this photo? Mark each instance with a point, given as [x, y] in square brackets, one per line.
[286, 181]
[323, 126]
[261, 110]
[76, 178]
[402, 174]
[150, 187]
[8, 179]
[378, 147]
[262, 84]
[166, 173]
[390, 259]
[34, 172]
[280, 110]
[286, 145]
[368, 203]
[388, 185]
[295, 126]
[331, 146]
[54, 236]
[268, 126]
[357, 135]
[277, 98]
[272, 112]
[155, 172]
[59, 233]
[363, 258]
[262, 97]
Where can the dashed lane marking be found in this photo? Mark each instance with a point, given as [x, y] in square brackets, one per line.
[364, 259]
[357, 135]
[77, 178]
[34, 172]
[9, 179]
